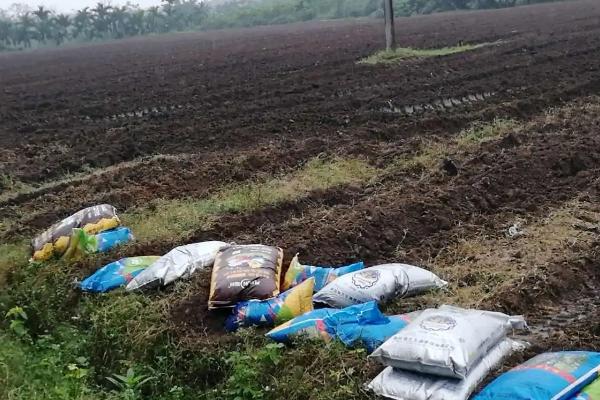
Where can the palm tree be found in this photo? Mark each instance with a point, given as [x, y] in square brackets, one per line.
[44, 25]
[137, 22]
[153, 17]
[82, 24]
[6, 32]
[101, 19]
[25, 30]
[119, 21]
[61, 23]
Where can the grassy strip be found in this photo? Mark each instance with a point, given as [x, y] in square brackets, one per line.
[431, 152]
[403, 53]
[181, 217]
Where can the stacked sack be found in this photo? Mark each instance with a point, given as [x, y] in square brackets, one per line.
[444, 354]
[247, 278]
[94, 229]
[353, 293]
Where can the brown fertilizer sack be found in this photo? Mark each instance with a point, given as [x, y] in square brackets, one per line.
[242, 273]
[55, 240]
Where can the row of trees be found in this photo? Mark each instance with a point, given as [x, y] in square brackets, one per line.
[21, 27]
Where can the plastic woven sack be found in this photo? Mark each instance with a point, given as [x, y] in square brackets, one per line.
[556, 376]
[590, 392]
[360, 324]
[240, 273]
[116, 274]
[309, 325]
[81, 243]
[298, 273]
[179, 263]
[55, 240]
[405, 385]
[447, 341]
[275, 311]
[380, 283]
[370, 335]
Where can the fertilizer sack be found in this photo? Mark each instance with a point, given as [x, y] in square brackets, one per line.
[379, 283]
[179, 263]
[548, 376]
[240, 273]
[362, 324]
[116, 274]
[406, 385]
[55, 240]
[309, 325]
[591, 392]
[370, 335]
[298, 273]
[82, 243]
[312, 324]
[447, 341]
[275, 311]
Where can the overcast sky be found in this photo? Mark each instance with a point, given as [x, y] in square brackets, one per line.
[69, 5]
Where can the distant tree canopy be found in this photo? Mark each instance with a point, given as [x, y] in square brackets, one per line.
[22, 27]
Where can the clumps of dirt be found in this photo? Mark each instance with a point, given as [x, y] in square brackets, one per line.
[547, 285]
[191, 315]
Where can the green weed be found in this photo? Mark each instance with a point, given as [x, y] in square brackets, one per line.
[482, 132]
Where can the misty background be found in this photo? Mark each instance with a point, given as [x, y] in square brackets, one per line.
[72, 5]
[46, 23]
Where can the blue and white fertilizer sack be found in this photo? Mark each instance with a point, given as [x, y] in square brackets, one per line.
[406, 385]
[298, 273]
[82, 243]
[380, 283]
[360, 324]
[277, 310]
[179, 263]
[116, 274]
[549, 376]
[370, 334]
[448, 341]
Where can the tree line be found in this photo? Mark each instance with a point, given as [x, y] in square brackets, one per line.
[21, 27]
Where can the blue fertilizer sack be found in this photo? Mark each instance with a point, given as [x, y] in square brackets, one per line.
[549, 376]
[298, 273]
[82, 243]
[116, 274]
[289, 304]
[362, 323]
[372, 335]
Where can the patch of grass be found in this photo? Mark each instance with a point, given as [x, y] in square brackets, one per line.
[403, 53]
[432, 151]
[483, 132]
[181, 217]
[12, 255]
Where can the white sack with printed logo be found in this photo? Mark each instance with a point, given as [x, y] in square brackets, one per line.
[405, 385]
[379, 283]
[448, 341]
[181, 262]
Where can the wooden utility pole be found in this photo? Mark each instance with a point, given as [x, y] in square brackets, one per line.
[390, 32]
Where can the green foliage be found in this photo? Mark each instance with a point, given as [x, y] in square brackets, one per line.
[250, 371]
[130, 384]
